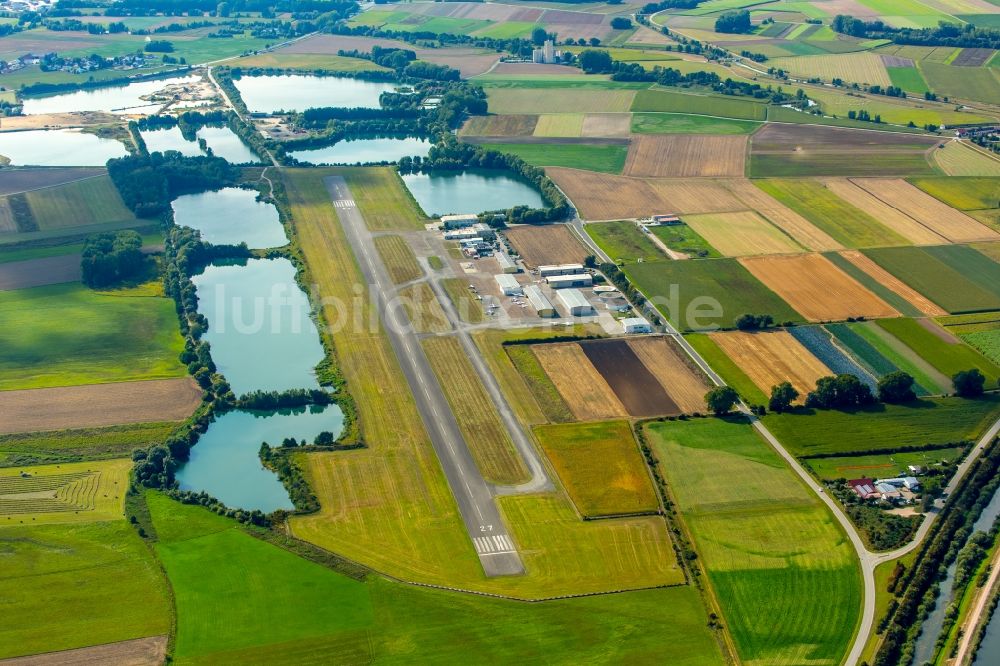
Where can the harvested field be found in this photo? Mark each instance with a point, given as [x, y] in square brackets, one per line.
[863, 67]
[521, 100]
[22, 180]
[423, 309]
[32, 410]
[398, 258]
[959, 159]
[771, 358]
[559, 125]
[741, 234]
[685, 385]
[817, 289]
[89, 491]
[890, 281]
[636, 387]
[138, 652]
[802, 230]
[686, 155]
[946, 221]
[898, 221]
[972, 57]
[582, 387]
[545, 245]
[612, 125]
[533, 70]
[39, 272]
[499, 126]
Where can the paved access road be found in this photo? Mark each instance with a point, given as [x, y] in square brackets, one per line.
[493, 544]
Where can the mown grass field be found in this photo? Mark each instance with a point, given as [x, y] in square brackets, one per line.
[665, 101]
[557, 100]
[544, 394]
[60, 446]
[600, 466]
[879, 464]
[962, 193]
[226, 616]
[66, 334]
[592, 157]
[623, 241]
[685, 123]
[947, 357]
[930, 421]
[734, 290]
[685, 239]
[398, 258]
[495, 455]
[784, 574]
[87, 492]
[958, 159]
[69, 586]
[469, 309]
[388, 205]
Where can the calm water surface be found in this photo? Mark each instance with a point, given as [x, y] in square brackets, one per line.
[64, 147]
[230, 216]
[365, 150]
[118, 99]
[295, 92]
[473, 191]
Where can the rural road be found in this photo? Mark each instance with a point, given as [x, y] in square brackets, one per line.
[474, 497]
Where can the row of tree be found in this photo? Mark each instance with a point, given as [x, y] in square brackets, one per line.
[945, 34]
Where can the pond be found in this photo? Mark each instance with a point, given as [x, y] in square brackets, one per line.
[364, 151]
[296, 92]
[222, 140]
[117, 99]
[230, 216]
[170, 138]
[472, 191]
[259, 325]
[226, 464]
[65, 147]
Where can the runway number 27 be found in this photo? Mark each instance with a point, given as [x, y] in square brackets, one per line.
[485, 528]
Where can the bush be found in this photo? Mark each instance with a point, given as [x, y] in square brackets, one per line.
[969, 383]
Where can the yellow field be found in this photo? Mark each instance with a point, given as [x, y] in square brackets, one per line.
[521, 100]
[423, 309]
[559, 124]
[615, 125]
[499, 126]
[799, 228]
[771, 358]
[946, 221]
[901, 223]
[817, 289]
[741, 234]
[686, 155]
[582, 387]
[959, 159]
[66, 493]
[685, 386]
[861, 67]
[890, 281]
[488, 440]
[398, 258]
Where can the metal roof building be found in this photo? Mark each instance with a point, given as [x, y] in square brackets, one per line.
[458, 221]
[542, 305]
[563, 281]
[508, 284]
[560, 269]
[575, 302]
[636, 325]
[507, 265]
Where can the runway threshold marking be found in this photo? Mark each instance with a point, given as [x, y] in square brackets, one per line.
[493, 545]
[344, 203]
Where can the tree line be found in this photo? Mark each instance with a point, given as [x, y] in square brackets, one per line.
[147, 183]
[945, 34]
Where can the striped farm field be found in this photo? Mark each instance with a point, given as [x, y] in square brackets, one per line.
[784, 574]
[821, 344]
[903, 357]
[668, 101]
[863, 67]
[65, 493]
[817, 289]
[554, 100]
[962, 193]
[680, 378]
[959, 159]
[773, 357]
[511, 125]
[559, 125]
[945, 352]
[891, 282]
[741, 234]
[581, 386]
[398, 258]
[865, 353]
[799, 228]
[686, 155]
[981, 331]
[893, 218]
[600, 466]
[944, 220]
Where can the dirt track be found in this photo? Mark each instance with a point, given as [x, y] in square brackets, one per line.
[139, 652]
[38, 272]
[98, 405]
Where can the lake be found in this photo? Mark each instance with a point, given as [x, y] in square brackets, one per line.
[471, 191]
[170, 138]
[226, 464]
[119, 99]
[364, 151]
[296, 92]
[66, 147]
[230, 216]
[222, 140]
[260, 329]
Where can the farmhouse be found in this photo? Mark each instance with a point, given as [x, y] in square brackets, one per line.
[909, 482]
[508, 284]
[668, 219]
[542, 305]
[635, 325]
[575, 302]
[560, 269]
[458, 221]
[565, 281]
[507, 265]
[864, 488]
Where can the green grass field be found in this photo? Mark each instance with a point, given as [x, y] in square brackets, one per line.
[683, 238]
[947, 357]
[867, 354]
[665, 101]
[846, 163]
[69, 586]
[600, 466]
[880, 464]
[387, 204]
[974, 83]
[295, 610]
[604, 159]
[734, 290]
[61, 446]
[904, 358]
[930, 421]
[623, 241]
[66, 334]
[908, 78]
[941, 275]
[845, 223]
[685, 123]
[962, 193]
[783, 572]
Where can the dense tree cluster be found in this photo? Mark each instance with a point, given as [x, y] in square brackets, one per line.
[112, 258]
[668, 76]
[782, 397]
[721, 400]
[946, 34]
[754, 322]
[840, 392]
[147, 183]
[969, 383]
[737, 22]
[896, 388]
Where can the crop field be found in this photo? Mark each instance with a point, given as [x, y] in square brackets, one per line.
[398, 258]
[308, 62]
[550, 406]
[731, 285]
[973, 83]
[20, 180]
[680, 378]
[682, 238]
[861, 67]
[959, 159]
[685, 123]
[908, 78]
[952, 280]
[879, 465]
[889, 109]
[927, 422]
[66, 493]
[581, 386]
[555, 100]
[897, 221]
[821, 344]
[614, 125]
[773, 357]
[623, 241]
[493, 125]
[898, 354]
[559, 124]
[495, 455]
[593, 157]
[633, 384]
[946, 221]
[686, 155]
[941, 349]
[66, 334]
[546, 245]
[890, 282]
[962, 193]
[97, 581]
[771, 551]
[423, 309]
[846, 224]
[799, 228]
[667, 101]
[986, 340]
[323, 612]
[600, 466]
[741, 234]
[816, 288]
[727, 369]
[63, 446]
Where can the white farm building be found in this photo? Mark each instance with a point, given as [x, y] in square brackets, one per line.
[635, 325]
[576, 304]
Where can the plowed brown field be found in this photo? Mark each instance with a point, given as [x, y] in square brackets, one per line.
[771, 358]
[817, 289]
[546, 245]
[890, 281]
[636, 387]
[686, 155]
[582, 387]
[671, 368]
[898, 221]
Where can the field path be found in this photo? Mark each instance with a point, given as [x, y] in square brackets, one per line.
[137, 652]
[977, 612]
